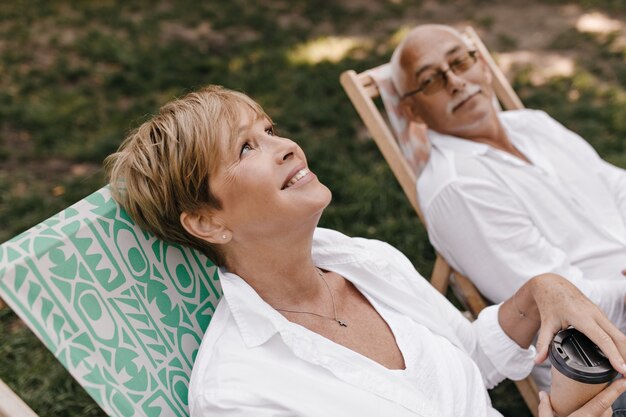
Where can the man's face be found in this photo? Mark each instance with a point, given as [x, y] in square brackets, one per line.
[463, 106]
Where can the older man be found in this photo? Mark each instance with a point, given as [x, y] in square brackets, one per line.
[509, 195]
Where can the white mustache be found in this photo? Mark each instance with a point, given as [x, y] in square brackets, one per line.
[470, 91]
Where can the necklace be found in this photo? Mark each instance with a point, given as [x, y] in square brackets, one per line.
[341, 323]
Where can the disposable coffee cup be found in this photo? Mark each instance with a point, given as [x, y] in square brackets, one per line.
[579, 371]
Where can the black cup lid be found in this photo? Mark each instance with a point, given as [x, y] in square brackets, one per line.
[578, 358]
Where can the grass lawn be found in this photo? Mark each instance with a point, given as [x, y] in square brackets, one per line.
[76, 76]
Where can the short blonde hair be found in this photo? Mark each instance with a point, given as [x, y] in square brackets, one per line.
[163, 167]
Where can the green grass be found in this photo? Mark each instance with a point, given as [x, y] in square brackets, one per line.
[76, 76]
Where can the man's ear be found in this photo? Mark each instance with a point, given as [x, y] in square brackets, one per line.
[409, 111]
[206, 226]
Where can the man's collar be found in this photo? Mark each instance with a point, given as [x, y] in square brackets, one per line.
[513, 122]
[463, 146]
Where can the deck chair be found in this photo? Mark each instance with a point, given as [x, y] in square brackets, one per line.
[405, 159]
[123, 311]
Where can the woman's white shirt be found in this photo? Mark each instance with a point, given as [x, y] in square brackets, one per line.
[253, 361]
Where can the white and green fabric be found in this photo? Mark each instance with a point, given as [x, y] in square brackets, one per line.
[122, 310]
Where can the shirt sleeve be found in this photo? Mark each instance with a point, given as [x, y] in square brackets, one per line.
[496, 354]
[485, 233]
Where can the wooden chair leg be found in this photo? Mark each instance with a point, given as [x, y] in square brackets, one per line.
[530, 393]
[441, 275]
[471, 297]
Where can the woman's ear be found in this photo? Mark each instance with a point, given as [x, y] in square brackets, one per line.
[205, 226]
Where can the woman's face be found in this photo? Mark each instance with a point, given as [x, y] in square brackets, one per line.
[265, 185]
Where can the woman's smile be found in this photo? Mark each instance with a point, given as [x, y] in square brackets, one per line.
[301, 177]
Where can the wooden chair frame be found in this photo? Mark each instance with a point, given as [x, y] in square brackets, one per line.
[362, 90]
[11, 405]
[123, 311]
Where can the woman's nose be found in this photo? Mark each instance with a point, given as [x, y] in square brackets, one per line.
[286, 150]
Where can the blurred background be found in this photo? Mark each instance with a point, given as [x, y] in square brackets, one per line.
[75, 77]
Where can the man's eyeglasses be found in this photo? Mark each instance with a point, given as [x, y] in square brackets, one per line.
[438, 79]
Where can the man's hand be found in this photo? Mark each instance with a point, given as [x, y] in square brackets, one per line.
[598, 406]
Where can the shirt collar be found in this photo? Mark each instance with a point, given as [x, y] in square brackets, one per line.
[370, 271]
[463, 146]
[517, 131]
[257, 320]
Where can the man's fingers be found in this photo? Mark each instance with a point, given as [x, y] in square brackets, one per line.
[545, 407]
[603, 401]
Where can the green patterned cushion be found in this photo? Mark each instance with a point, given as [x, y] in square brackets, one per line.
[123, 311]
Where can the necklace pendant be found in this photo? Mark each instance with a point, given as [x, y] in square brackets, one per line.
[342, 323]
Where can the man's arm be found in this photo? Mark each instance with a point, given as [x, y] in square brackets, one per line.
[485, 233]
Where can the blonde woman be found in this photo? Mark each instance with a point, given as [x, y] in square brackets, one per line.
[313, 322]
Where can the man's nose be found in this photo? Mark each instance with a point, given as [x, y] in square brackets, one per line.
[454, 82]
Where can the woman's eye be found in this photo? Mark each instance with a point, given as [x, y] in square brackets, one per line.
[270, 130]
[245, 149]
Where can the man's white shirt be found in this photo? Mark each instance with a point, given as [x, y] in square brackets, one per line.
[253, 361]
[500, 220]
